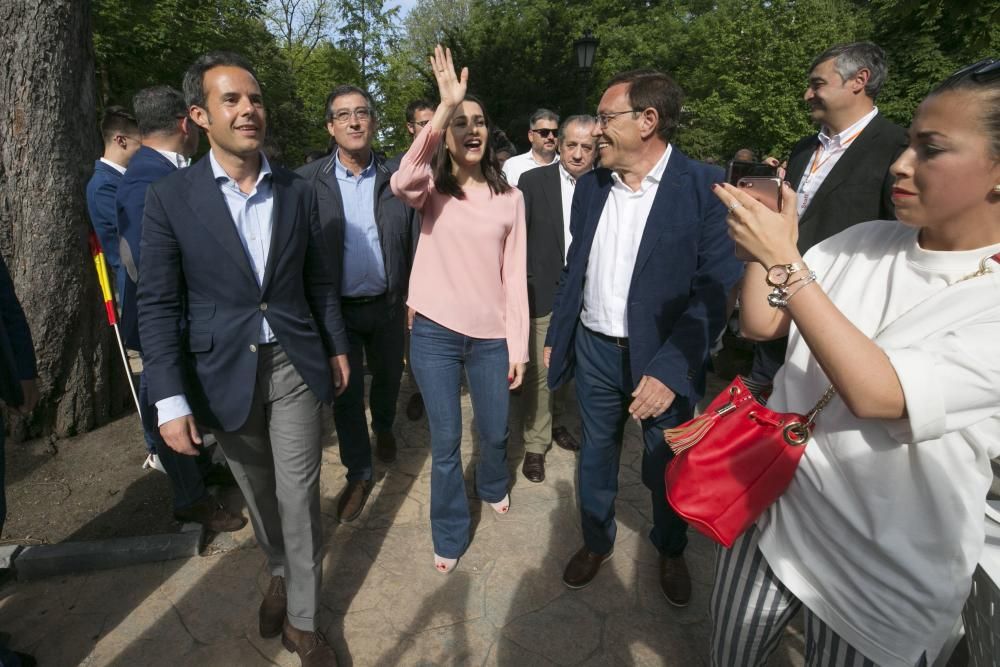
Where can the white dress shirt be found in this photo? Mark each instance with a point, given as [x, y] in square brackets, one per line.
[825, 157]
[114, 165]
[517, 165]
[567, 186]
[616, 245]
[175, 159]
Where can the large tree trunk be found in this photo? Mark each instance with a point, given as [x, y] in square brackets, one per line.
[48, 141]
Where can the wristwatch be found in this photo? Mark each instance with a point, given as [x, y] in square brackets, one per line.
[778, 275]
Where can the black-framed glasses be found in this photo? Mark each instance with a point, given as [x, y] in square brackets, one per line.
[983, 71]
[363, 114]
[603, 118]
[545, 132]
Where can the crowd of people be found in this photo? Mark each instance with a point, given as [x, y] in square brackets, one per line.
[601, 264]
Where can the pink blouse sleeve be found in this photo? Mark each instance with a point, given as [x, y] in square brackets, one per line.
[514, 274]
[414, 179]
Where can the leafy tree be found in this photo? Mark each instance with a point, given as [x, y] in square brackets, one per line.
[369, 33]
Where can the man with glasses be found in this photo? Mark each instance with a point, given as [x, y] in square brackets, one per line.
[370, 234]
[841, 175]
[544, 128]
[642, 298]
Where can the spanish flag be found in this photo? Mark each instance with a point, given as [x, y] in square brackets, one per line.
[102, 278]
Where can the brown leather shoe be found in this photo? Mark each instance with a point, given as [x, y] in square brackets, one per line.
[212, 515]
[564, 439]
[533, 467]
[353, 500]
[273, 608]
[415, 407]
[675, 582]
[584, 566]
[385, 447]
[312, 647]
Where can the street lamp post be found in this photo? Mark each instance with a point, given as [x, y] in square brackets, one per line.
[585, 48]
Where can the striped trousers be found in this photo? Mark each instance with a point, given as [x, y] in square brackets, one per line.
[750, 609]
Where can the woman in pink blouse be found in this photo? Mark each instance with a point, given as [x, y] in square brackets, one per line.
[468, 300]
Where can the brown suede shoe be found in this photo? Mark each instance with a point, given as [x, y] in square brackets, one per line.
[675, 582]
[564, 439]
[584, 566]
[353, 500]
[415, 407]
[533, 467]
[312, 647]
[385, 447]
[273, 608]
[208, 512]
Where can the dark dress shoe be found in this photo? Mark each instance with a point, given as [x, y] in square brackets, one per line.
[564, 439]
[675, 582]
[415, 407]
[353, 499]
[533, 467]
[273, 608]
[385, 447]
[209, 513]
[583, 567]
[312, 647]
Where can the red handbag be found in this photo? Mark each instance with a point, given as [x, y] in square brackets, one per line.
[733, 461]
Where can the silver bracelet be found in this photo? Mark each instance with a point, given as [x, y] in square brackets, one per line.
[779, 296]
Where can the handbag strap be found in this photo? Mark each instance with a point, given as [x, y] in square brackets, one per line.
[831, 391]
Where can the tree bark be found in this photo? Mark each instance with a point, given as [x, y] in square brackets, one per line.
[48, 141]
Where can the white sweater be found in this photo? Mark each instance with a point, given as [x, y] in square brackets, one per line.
[882, 526]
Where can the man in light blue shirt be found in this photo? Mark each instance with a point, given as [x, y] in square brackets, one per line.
[371, 234]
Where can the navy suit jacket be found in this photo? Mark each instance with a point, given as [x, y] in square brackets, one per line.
[17, 353]
[145, 168]
[101, 190]
[685, 267]
[193, 269]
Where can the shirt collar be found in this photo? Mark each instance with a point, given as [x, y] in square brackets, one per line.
[175, 159]
[655, 174]
[114, 165]
[839, 139]
[344, 172]
[220, 174]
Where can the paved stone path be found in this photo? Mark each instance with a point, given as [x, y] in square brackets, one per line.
[384, 604]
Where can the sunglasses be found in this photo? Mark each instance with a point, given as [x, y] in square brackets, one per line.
[980, 72]
[545, 132]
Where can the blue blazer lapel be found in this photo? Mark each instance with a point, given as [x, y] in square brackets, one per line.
[282, 220]
[210, 206]
[594, 210]
[665, 205]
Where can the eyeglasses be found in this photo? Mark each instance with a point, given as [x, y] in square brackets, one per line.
[980, 72]
[545, 132]
[419, 123]
[604, 118]
[363, 114]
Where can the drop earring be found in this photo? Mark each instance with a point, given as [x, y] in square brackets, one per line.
[996, 189]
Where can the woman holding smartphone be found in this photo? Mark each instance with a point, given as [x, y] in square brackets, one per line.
[879, 533]
[468, 300]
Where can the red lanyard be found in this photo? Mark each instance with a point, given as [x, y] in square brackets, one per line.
[815, 165]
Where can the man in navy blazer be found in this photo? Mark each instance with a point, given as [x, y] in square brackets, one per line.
[239, 317]
[641, 299]
[121, 140]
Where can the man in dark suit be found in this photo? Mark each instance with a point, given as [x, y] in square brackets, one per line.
[841, 175]
[369, 233]
[169, 138]
[641, 299]
[18, 390]
[548, 195]
[121, 141]
[232, 246]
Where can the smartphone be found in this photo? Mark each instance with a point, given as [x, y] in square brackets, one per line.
[738, 169]
[765, 190]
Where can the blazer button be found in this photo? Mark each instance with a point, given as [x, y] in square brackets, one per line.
[253, 348]
[263, 306]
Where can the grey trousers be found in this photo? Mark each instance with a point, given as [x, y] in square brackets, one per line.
[539, 405]
[275, 458]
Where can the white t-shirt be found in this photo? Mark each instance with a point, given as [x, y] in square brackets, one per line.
[517, 165]
[882, 526]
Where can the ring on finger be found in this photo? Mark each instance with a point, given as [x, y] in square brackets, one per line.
[735, 205]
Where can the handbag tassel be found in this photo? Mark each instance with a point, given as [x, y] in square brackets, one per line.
[690, 434]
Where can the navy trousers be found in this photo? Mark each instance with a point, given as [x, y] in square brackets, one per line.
[604, 387]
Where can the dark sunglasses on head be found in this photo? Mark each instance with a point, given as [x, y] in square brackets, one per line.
[980, 72]
[545, 132]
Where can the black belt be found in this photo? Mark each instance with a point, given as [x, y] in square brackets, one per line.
[614, 340]
[358, 300]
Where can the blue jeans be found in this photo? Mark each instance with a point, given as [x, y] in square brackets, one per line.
[604, 387]
[437, 356]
